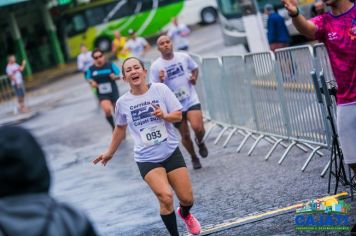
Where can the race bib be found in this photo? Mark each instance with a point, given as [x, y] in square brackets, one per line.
[182, 93]
[105, 88]
[153, 135]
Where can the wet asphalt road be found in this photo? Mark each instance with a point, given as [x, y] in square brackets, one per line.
[73, 131]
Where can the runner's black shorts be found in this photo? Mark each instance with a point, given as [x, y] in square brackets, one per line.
[174, 161]
[110, 96]
[184, 114]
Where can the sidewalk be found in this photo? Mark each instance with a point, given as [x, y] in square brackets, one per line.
[35, 88]
[47, 76]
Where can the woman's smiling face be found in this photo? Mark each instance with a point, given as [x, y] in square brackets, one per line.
[134, 72]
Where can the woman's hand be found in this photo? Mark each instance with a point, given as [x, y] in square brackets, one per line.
[158, 112]
[162, 75]
[93, 84]
[291, 6]
[193, 79]
[114, 77]
[103, 158]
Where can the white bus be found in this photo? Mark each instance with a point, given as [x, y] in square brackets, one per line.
[230, 16]
[198, 11]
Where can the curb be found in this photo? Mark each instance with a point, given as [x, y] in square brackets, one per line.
[17, 119]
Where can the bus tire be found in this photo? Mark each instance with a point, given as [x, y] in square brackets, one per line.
[103, 43]
[208, 15]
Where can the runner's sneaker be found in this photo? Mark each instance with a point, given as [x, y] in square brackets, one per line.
[196, 163]
[203, 150]
[193, 225]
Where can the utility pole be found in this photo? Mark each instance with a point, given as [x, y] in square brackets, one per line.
[255, 32]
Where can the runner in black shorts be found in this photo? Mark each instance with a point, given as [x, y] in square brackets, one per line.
[102, 76]
[148, 111]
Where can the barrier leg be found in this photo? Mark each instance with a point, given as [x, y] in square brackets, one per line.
[205, 119]
[220, 135]
[325, 169]
[276, 139]
[310, 158]
[243, 142]
[273, 148]
[301, 147]
[351, 187]
[229, 137]
[312, 148]
[255, 144]
[209, 131]
[286, 152]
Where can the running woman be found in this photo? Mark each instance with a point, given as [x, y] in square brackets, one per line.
[102, 76]
[149, 111]
[180, 73]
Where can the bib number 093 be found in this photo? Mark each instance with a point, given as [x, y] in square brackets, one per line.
[153, 135]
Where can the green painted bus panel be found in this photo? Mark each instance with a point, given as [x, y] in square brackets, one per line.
[162, 17]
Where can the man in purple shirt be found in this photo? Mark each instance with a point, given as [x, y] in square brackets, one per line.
[337, 30]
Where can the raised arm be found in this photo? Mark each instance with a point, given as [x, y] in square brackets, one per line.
[194, 76]
[171, 117]
[23, 65]
[117, 136]
[304, 26]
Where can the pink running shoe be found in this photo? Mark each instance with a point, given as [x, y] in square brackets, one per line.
[193, 225]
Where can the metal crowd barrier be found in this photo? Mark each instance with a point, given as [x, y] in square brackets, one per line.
[322, 64]
[215, 87]
[307, 118]
[7, 96]
[241, 110]
[268, 96]
[147, 66]
[200, 87]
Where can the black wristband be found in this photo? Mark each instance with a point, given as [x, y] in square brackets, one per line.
[296, 14]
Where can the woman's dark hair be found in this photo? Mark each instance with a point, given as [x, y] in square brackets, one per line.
[123, 64]
[95, 51]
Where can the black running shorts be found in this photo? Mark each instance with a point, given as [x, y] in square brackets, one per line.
[184, 114]
[173, 162]
[111, 96]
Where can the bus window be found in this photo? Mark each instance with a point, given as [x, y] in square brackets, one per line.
[167, 2]
[262, 3]
[230, 8]
[75, 25]
[118, 10]
[95, 15]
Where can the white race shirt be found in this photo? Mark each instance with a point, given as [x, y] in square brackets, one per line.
[155, 139]
[178, 34]
[84, 61]
[136, 46]
[13, 70]
[177, 72]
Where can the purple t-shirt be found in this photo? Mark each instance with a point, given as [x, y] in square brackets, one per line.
[338, 33]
